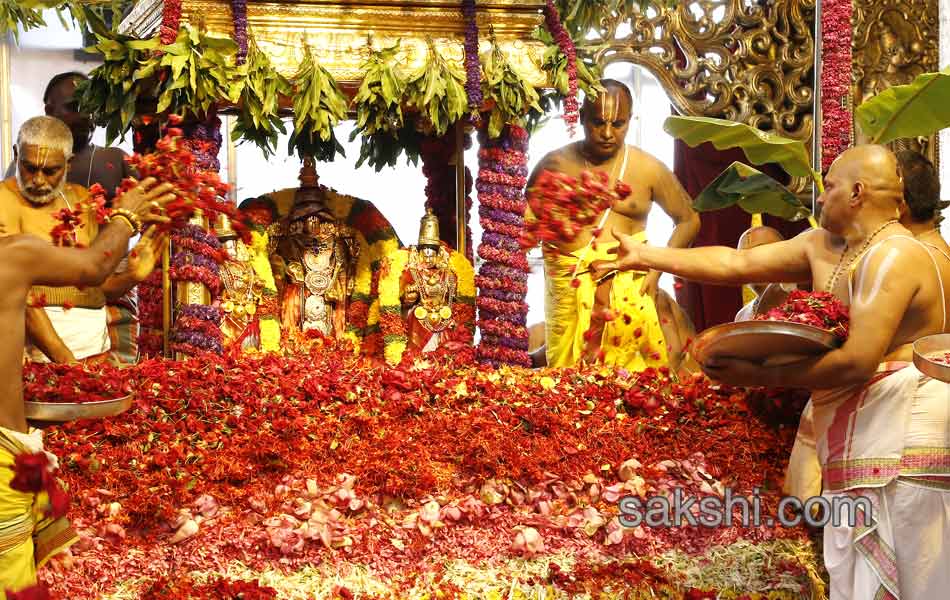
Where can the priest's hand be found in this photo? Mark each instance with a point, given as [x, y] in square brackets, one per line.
[628, 253]
[733, 371]
[145, 254]
[651, 283]
[146, 200]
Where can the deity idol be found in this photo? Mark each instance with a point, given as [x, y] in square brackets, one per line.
[428, 288]
[314, 257]
[242, 294]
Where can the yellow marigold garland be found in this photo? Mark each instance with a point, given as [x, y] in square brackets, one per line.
[392, 326]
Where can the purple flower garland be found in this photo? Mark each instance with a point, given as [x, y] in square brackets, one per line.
[239, 13]
[473, 75]
[501, 284]
[197, 327]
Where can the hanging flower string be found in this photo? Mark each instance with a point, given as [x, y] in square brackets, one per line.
[239, 13]
[552, 21]
[835, 79]
[171, 18]
[473, 74]
[502, 278]
[440, 187]
[150, 315]
[197, 327]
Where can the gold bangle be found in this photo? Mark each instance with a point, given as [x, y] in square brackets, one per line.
[125, 220]
[130, 216]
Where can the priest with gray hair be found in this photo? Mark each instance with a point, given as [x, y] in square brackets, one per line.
[65, 324]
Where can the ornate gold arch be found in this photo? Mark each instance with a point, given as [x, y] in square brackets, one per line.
[893, 42]
[743, 60]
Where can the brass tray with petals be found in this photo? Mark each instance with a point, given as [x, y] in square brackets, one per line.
[926, 349]
[763, 342]
[61, 412]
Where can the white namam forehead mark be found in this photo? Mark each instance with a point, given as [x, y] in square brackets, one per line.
[866, 294]
[609, 106]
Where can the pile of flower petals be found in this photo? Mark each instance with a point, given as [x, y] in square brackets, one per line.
[288, 461]
[818, 309]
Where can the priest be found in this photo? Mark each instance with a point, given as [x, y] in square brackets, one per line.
[882, 427]
[578, 309]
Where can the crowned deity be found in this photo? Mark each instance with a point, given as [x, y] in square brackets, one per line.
[428, 288]
[314, 256]
[242, 293]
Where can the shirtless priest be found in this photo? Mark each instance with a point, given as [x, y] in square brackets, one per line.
[872, 407]
[28, 261]
[575, 327]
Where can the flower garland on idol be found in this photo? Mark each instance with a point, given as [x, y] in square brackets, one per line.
[552, 21]
[503, 276]
[835, 84]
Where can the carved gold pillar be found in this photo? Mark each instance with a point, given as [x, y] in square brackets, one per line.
[893, 42]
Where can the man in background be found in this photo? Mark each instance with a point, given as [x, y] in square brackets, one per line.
[920, 212]
[90, 164]
[767, 295]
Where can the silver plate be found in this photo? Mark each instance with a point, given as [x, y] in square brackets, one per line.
[926, 347]
[60, 412]
[761, 341]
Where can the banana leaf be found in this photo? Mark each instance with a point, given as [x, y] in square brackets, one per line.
[760, 147]
[754, 192]
[919, 108]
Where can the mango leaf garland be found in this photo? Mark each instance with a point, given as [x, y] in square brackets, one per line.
[186, 77]
[554, 63]
[127, 73]
[201, 73]
[437, 91]
[509, 95]
[13, 15]
[919, 108]
[760, 147]
[318, 106]
[378, 104]
[754, 191]
[259, 121]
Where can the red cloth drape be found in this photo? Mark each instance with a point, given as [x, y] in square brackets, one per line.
[710, 305]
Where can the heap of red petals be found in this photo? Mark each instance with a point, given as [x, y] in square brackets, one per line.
[283, 461]
[50, 382]
[564, 206]
[218, 589]
[818, 309]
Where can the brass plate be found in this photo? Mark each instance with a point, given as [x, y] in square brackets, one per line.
[759, 341]
[61, 412]
[928, 346]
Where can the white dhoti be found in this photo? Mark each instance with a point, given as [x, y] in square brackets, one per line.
[889, 442]
[85, 331]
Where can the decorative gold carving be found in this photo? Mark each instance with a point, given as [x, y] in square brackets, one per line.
[337, 31]
[732, 59]
[894, 41]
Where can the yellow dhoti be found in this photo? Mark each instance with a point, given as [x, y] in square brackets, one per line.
[633, 340]
[27, 540]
